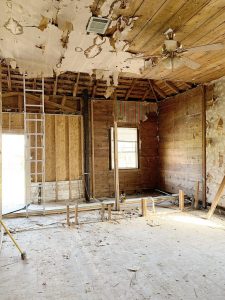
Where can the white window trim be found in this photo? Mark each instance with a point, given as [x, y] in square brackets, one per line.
[136, 167]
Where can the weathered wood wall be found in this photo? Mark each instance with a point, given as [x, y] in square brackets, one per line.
[63, 144]
[180, 142]
[145, 177]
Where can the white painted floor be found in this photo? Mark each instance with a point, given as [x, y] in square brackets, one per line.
[169, 256]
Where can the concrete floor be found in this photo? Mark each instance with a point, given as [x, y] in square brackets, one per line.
[169, 256]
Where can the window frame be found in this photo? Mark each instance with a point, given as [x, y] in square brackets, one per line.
[110, 149]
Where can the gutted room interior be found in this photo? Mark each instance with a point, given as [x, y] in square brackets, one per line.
[112, 149]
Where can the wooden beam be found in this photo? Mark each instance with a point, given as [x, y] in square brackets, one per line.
[188, 85]
[158, 90]
[75, 87]
[172, 86]
[63, 102]
[116, 163]
[153, 91]
[94, 89]
[92, 149]
[9, 78]
[204, 204]
[144, 207]
[0, 141]
[37, 99]
[145, 95]
[181, 200]
[20, 103]
[55, 86]
[217, 198]
[134, 80]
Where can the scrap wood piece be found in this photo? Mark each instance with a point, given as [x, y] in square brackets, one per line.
[181, 200]
[216, 199]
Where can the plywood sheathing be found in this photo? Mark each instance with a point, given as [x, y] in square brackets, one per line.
[63, 144]
[43, 37]
[215, 137]
[180, 142]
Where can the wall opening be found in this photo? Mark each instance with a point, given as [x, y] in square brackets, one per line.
[13, 172]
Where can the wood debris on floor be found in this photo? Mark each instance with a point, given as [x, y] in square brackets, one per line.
[164, 256]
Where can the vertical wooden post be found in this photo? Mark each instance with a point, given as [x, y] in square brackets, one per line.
[68, 214]
[204, 204]
[217, 198]
[0, 141]
[92, 149]
[181, 200]
[109, 212]
[143, 207]
[56, 162]
[102, 212]
[76, 214]
[116, 165]
[86, 121]
[69, 156]
[196, 195]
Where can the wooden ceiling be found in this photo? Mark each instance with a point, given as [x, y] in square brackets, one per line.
[195, 22]
[62, 92]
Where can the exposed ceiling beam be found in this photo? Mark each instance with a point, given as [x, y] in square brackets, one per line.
[94, 88]
[153, 91]
[172, 86]
[75, 87]
[55, 86]
[158, 90]
[134, 80]
[37, 99]
[9, 79]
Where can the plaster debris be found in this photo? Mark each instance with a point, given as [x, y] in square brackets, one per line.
[109, 91]
[13, 26]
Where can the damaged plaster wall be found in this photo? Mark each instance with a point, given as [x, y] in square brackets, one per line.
[47, 36]
[215, 138]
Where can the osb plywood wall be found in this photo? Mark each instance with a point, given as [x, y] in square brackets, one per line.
[145, 177]
[180, 142]
[215, 146]
[63, 144]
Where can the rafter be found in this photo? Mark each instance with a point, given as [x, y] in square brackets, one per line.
[9, 79]
[153, 91]
[55, 86]
[172, 86]
[158, 90]
[37, 99]
[94, 88]
[75, 87]
[134, 80]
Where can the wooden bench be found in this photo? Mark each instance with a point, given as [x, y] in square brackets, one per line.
[82, 207]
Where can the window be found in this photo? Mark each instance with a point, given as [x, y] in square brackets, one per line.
[127, 148]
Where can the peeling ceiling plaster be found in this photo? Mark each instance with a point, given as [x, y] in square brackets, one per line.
[48, 36]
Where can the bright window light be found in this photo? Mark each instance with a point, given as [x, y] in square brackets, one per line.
[13, 172]
[127, 148]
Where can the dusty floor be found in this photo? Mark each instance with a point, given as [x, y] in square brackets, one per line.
[169, 256]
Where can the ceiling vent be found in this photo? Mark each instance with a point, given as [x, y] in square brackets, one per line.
[98, 25]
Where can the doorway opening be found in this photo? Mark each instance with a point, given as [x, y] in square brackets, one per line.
[13, 172]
